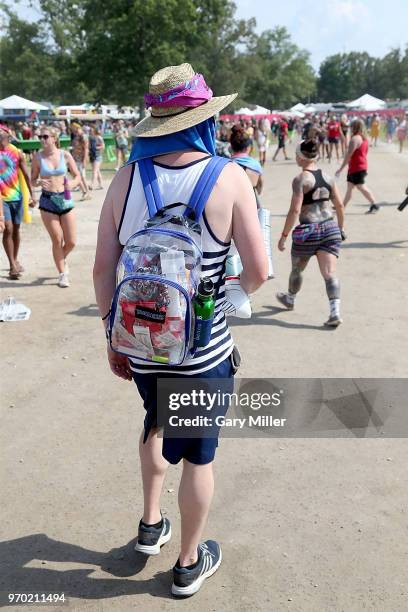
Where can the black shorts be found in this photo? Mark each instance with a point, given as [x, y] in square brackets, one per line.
[55, 203]
[198, 450]
[281, 142]
[357, 178]
[333, 139]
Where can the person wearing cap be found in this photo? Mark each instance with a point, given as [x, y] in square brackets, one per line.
[179, 136]
[11, 162]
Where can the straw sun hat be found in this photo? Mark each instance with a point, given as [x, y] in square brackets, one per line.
[178, 98]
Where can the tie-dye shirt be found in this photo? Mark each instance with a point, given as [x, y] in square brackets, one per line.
[9, 165]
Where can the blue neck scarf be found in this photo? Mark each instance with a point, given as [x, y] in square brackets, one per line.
[200, 137]
[248, 162]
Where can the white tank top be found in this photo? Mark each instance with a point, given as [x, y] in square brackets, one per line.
[176, 184]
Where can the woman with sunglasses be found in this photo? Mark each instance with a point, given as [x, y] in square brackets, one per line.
[49, 169]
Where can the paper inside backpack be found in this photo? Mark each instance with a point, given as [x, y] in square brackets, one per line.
[142, 341]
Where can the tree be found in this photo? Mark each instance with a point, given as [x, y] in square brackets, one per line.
[345, 76]
[280, 72]
[392, 75]
[218, 46]
[64, 21]
[26, 62]
[126, 42]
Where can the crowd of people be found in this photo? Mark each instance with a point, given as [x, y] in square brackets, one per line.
[344, 138]
[333, 132]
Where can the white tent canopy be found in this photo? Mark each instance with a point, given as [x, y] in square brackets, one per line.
[299, 107]
[19, 103]
[367, 102]
[260, 110]
[294, 113]
[244, 111]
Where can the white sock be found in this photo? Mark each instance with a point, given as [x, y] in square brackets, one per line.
[291, 296]
[335, 307]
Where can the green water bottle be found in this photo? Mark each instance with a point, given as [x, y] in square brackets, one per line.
[203, 304]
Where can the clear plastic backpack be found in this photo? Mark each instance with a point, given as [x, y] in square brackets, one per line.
[158, 274]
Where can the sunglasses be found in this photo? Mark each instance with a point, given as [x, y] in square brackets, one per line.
[44, 136]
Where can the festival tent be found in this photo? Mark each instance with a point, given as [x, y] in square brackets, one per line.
[17, 108]
[18, 103]
[260, 110]
[294, 113]
[254, 112]
[367, 103]
[299, 107]
[243, 111]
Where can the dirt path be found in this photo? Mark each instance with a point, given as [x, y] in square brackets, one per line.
[306, 525]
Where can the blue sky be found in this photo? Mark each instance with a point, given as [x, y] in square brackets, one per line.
[325, 27]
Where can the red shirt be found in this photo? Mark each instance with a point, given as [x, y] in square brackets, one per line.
[283, 129]
[358, 161]
[333, 129]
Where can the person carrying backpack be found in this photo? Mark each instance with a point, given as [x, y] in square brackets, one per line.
[168, 220]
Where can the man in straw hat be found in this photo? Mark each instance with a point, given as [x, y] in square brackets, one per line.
[179, 136]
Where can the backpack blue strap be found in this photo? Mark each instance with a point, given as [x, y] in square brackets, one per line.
[147, 188]
[150, 186]
[154, 183]
[205, 185]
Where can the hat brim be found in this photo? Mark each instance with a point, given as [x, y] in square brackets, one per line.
[160, 126]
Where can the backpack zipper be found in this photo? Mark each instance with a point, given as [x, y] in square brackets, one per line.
[161, 230]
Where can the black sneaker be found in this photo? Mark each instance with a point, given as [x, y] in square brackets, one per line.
[149, 539]
[374, 208]
[333, 321]
[186, 582]
[285, 300]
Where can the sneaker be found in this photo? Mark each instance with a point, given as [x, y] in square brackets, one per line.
[186, 581]
[63, 280]
[334, 321]
[374, 208]
[285, 300]
[86, 196]
[150, 539]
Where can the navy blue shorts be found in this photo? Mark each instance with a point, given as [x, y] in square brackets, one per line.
[196, 450]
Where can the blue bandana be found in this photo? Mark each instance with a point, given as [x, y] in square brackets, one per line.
[200, 137]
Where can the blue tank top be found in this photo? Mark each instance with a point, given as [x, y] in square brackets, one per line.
[61, 169]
